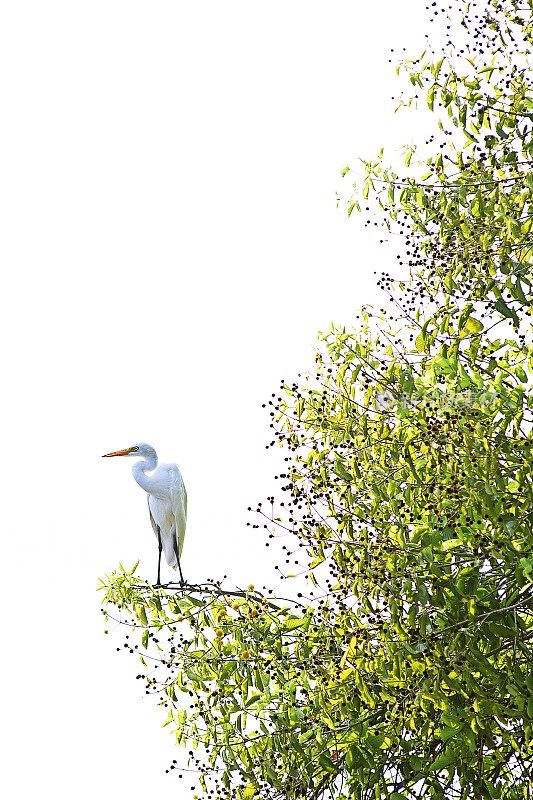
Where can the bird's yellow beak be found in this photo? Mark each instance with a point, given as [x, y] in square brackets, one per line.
[125, 452]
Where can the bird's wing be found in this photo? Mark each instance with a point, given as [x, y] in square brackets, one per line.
[162, 519]
[152, 520]
[178, 496]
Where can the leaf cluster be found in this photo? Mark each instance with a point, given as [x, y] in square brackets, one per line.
[407, 498]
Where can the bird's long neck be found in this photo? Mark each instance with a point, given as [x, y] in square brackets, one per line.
[140, 468]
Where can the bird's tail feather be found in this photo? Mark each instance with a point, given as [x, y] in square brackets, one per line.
[168, 549]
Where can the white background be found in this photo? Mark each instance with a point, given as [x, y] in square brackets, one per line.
[170, 247]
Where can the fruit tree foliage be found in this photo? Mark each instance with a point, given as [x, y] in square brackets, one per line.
[404, 670]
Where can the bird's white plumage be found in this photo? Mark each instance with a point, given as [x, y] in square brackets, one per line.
[168, 510]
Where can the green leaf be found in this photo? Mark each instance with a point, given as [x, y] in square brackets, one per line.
[521, 374]
[252, 700]
[449, 732]
[293, 622]
[473, 325]
[342, 472]
[327, 764]
[450, 544]
[443, 760]
[168, 720]
[420, 342]
[501, 306]
[141, 615]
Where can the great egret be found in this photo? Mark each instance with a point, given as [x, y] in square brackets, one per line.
[167, 501]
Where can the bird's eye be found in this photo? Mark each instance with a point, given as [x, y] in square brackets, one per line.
[134, 449]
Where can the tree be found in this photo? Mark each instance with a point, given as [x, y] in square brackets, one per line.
[408, 494]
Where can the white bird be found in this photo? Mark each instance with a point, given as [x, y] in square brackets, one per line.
[167, 501]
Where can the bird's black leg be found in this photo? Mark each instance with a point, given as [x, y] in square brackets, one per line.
[159, 559]
[182, 582]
